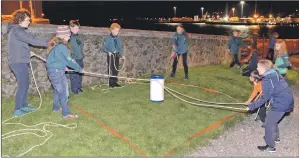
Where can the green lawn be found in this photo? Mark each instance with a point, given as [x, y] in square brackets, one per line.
[154, 128]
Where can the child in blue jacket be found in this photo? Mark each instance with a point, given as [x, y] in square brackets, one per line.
[180, 47]
[113, 48]
[233, 46]
[276, 90]
[57, 61]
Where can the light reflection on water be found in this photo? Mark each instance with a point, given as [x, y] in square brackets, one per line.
[246, 30]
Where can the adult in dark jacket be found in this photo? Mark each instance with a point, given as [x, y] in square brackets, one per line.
[77, 46]
[19, 57]
[113, 48]
[180, 46]
[275, 89]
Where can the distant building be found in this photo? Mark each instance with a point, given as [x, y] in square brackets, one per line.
[196, 18]
[34, 7]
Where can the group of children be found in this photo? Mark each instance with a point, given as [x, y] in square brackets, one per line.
[270, 86]
[66, 50]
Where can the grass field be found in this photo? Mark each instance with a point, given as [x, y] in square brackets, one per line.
[147, 128]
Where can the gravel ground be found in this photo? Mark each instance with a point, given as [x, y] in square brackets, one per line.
[243, 139]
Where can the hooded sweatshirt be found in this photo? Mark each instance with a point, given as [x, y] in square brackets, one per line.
[275, 89]
[18, 44]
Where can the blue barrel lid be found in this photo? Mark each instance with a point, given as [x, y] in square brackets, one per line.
[157, 77]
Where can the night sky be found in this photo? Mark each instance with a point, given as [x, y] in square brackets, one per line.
[91, 12]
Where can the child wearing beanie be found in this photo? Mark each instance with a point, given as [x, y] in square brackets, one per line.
[113, 48]
[58, 59]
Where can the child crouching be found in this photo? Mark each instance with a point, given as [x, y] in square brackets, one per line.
[275, 89]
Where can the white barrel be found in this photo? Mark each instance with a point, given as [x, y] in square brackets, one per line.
[157, 88]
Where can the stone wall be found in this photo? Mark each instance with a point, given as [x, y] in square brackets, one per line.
[146, 52]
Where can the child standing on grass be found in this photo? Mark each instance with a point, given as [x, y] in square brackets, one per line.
[275, 89]
[272, 42]
[113, 48]
[57, 61]
[77, 46]
[282, 59]
[233, 46]
[180, 47]
[257, 91]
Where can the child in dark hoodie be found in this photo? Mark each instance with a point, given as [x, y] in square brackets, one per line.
[276, 90]
[253, 59]
[19, 57]
[57, 61]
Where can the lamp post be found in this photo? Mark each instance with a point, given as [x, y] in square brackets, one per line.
[202, 11]
[242, 4]
[174, 9]
[233, 11]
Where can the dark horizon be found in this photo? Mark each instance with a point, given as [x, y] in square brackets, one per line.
[92, 10]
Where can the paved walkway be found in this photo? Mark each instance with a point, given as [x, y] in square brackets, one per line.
[243, 139]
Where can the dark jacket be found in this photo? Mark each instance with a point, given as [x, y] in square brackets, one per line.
[275, 89]
[234, 44]
[18, 44]
[180, 42]
[113, 44]
[77, 46]
[272, 42]
[60, 57]
[253, 61]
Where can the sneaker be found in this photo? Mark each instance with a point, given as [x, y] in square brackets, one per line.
[117, 85]
[70, 116]
[28, 108]
[277, 140]
[80, 90]
[18, 113]
[172, 75]
[186, 77]
[58, 110]
[267, 148]
[111, 86]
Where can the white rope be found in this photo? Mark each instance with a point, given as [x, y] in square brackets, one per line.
[26, 131]
[206, 105]
[122, 58]
[74, 125]
[109, 64]
[218, 103]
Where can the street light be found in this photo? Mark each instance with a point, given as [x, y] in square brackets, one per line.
[202, 11]
[233, 11]
[174, 9]
[242, 4]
